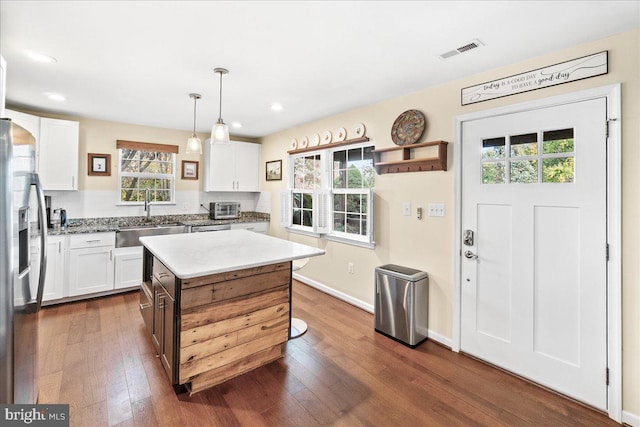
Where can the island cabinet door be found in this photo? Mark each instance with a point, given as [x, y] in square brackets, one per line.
[164, 328]
[231, 323]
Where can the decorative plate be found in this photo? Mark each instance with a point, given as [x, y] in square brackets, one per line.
[293, 144]
[315, 140]
[326, 137]
[408, 127]
[358, 130]
[303, 142]
[339, 135]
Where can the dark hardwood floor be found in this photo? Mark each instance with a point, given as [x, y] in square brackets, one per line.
[95, 356]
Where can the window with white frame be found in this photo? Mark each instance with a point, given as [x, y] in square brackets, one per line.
[143, 168]
[331, 193]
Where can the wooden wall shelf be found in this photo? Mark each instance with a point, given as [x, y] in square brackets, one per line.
[407, 164]
[332, 145]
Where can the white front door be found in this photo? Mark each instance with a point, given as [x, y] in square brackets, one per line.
[534, 301]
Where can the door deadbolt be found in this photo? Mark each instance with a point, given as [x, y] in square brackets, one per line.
[468, 238]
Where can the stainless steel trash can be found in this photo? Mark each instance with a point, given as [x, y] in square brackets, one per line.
[401, 308]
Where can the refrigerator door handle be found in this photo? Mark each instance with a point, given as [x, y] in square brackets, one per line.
[35, 305]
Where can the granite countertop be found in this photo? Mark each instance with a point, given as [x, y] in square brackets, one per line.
[98, 225]
[201, 254]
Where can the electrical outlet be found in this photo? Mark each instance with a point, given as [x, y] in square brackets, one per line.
[350, 268]
[436, 209]
[406, 209]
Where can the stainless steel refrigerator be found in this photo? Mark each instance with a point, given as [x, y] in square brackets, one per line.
[23, 263]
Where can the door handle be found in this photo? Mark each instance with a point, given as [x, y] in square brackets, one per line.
[470, 255]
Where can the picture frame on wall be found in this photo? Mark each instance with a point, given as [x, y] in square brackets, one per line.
[189, 169]
[274, 170]
[99, 164]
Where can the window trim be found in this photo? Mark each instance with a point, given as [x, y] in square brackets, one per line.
[142, 146]
[326, 188]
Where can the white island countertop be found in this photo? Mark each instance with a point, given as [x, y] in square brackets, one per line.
[199, 254]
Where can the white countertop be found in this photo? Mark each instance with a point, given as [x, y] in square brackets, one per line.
[199, 254]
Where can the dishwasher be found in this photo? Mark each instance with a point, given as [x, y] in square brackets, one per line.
[204, 228]
[401, 308]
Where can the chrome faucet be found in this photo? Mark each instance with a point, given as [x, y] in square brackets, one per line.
[147, 203]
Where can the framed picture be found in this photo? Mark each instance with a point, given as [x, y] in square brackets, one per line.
[274, 170]
[99, 164]
[189, 169]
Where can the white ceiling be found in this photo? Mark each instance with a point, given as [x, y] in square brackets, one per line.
[136, 62]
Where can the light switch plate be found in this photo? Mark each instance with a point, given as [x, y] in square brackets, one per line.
[406, 209]
[436, 209]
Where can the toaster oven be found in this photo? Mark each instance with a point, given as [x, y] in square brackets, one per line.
[224, 210]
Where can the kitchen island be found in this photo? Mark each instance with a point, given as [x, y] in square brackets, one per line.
[217, 305]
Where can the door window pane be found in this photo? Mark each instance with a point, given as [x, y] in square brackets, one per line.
[494, 173]
[493, 148]
[524, 145]
[559, 169]
[557, 141]
[524, 171]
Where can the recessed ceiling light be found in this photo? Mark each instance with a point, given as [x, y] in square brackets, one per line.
[236, 125]
[55, 96]
[40, 57]
[276, 107]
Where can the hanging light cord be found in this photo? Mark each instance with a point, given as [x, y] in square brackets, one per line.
[220, 109]
[195, 101]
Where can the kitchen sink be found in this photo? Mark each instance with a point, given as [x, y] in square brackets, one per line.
[128, 236]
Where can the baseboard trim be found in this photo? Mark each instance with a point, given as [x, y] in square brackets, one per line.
[631, 419]
[361, 305]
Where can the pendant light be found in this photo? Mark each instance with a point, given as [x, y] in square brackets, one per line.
[220, 131]
[194, 145]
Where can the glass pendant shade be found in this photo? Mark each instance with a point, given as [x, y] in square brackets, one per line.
[220, 134]
[194, 145]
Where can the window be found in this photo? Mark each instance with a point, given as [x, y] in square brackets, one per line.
[145, 167]
[530, 158]
[331, 193]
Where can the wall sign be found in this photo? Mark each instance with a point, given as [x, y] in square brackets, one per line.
[564, 72]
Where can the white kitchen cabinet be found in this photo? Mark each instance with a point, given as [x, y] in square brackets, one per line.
[58, 154]
[127, 267]
[26, 121]
[232, 167]
[258, 227]
[91, 263]
[54, 277]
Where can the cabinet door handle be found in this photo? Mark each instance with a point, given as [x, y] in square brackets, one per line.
[143, 306]
[60, 247]
[73, 182]
[91, 241]
[111, 255]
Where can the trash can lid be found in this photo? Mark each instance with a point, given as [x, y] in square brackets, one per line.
[406, 273]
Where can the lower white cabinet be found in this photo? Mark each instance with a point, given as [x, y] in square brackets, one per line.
[54, 276]
[127, 267]
[91, 263]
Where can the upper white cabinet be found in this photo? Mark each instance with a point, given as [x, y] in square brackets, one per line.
[26, 121]
[58, 154]
[233, 167]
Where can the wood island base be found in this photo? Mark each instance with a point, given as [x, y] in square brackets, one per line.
[212, 328]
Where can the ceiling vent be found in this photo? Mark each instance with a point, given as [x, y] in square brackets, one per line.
[473, 44]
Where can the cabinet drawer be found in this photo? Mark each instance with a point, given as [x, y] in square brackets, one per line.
[91, 240]
[165, 277]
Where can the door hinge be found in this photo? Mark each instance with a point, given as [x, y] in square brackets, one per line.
[607, 251]
[607, 126]
[607, 376]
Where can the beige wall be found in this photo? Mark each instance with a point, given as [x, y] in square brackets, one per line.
[427, 244]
